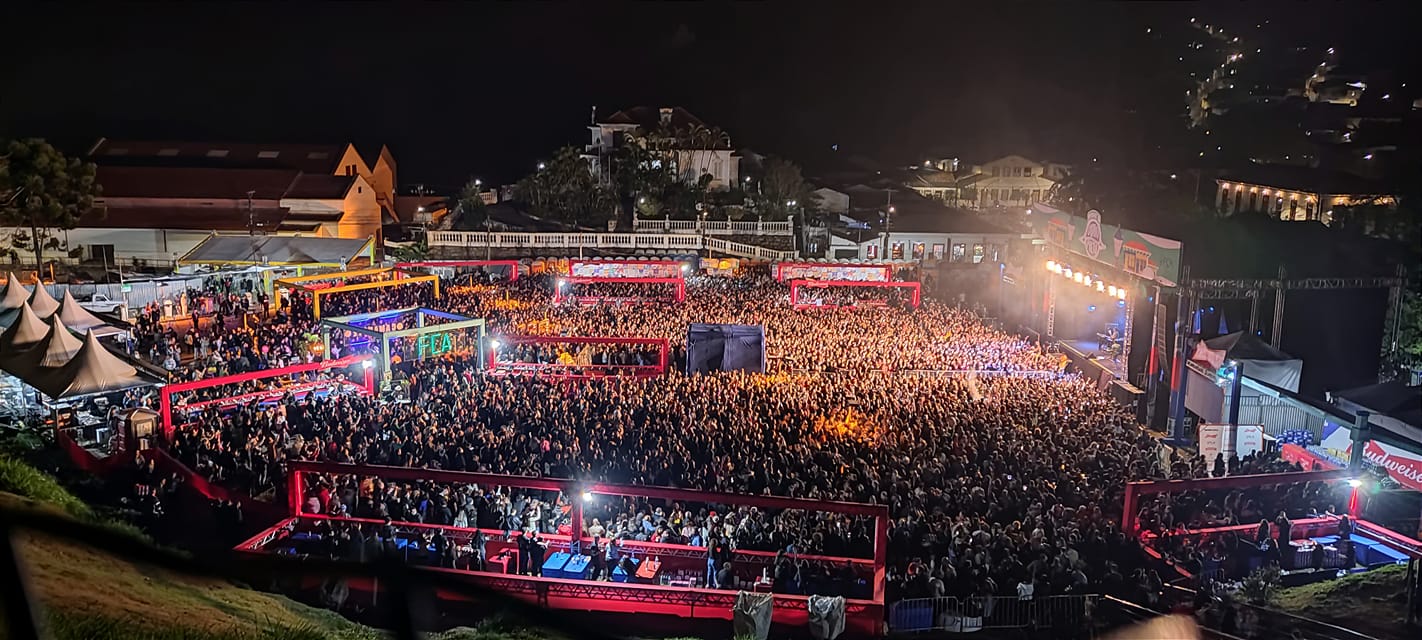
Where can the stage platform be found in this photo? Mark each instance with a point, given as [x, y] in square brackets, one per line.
[1087, 356]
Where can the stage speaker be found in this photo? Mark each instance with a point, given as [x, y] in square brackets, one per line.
[725, 347]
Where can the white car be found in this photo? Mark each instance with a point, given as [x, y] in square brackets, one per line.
[100, 303]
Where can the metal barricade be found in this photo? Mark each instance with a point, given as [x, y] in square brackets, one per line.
[954, 615]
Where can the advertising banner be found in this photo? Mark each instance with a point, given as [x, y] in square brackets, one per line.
[1141, 254]
[846, 272]
[1404, 466]
[1248, 438]
[617, 269]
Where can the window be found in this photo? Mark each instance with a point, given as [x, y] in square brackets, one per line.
[897, 252]
[217, 153]
[958, 251]
[360, 189]
[167, 153]
[918, 251]
[994, 172]
[872, 252]
[977, 253]
[102, 253]
[938, 248]
[268, 154]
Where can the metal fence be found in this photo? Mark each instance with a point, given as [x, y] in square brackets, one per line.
[964, 615]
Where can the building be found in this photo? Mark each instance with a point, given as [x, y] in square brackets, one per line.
[161, 198]
[1296, 193]
[898, 224]
[1012, 181]
[696, 149]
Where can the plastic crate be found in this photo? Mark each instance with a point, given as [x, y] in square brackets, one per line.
[553, 566]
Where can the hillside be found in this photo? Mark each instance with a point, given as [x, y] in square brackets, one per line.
[87, 594]
[1373, 602]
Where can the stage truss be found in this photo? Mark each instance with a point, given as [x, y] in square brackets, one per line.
[385, 277]
[831, 271]
[165, 398]
[452, 265]
[914, 288]
[564, 285]
[501, 344]
[432, 339]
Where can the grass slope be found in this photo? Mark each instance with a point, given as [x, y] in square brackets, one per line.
[86, 594]
[1372, 602]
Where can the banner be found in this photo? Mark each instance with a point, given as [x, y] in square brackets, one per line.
[1404, 466]
[1248, 438]
[618, 269]
[850, 272]
[1141, 254]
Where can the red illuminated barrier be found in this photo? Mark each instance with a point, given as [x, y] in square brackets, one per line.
[914, 288]
[807, 270]
[495, 366]
[166, 396]
[559, 295]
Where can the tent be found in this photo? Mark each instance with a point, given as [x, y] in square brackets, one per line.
[92, 370]
[15, 294]
[43, 304]
[245, 250]
[77, 317]
[1394, 405]
[58, 347]
[1261, 361]
[26, 331]
[725, 347]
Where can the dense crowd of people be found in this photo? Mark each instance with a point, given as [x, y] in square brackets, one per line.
[1002, 475]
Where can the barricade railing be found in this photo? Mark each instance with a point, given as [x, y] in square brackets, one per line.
[713, 227]
[644, 241]
[963, 615]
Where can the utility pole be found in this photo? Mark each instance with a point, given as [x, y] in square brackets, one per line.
[251, 214]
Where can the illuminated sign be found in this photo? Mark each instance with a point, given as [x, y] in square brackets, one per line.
[431, 345]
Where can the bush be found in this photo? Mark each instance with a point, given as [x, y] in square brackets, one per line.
[26, 481]
[1261, 586]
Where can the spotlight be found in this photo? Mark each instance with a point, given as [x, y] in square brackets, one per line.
[686, 267]
[1067, 272]
[1051, 265]
[1086, 281]
[1091, 308]
[1121, 293]
[1078, 277]
[1355, 483]
[366, 364]
[495, 344]
[587, 496]
[1100, 286]
[1111, 291]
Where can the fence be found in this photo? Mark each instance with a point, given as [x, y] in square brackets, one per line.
[671, 242]
[714, 228]
[963, 615]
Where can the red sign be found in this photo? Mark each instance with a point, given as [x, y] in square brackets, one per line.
[1404, 467]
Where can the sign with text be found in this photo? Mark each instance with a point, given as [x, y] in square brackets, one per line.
[615, 269]
[1141, 254]
[842, 272]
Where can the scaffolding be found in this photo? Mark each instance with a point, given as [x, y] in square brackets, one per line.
[383, 277]
[436, 333]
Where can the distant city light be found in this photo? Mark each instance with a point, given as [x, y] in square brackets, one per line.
[1368, 157]
[541, 166]
[1172, 176]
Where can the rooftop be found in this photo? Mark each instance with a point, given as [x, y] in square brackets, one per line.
[1308, 179]
[310, 158]
[193, 182]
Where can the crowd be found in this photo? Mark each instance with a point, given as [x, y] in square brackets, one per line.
[995, 483]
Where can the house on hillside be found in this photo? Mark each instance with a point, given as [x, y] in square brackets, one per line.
[1296, 193]
[1012, 181]
[882, 222]
[695, 155]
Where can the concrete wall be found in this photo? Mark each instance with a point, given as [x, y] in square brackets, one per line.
[154, 245]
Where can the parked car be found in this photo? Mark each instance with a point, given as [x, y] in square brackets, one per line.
[100, 303]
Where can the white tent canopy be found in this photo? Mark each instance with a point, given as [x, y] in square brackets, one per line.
[15, 294]
[43, 304]
[76, 317]
[26, 331]
[92, 370]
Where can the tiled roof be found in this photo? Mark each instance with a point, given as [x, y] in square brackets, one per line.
[193, 182]
[187, 218]
[311, 158]
[320, 187]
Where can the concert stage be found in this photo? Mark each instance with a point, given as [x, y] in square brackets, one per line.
[1090, 359]
[666, 590]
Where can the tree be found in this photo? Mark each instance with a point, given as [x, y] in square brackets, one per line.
[470, 207]
[782, 191]
[565, 189]
[42, 192]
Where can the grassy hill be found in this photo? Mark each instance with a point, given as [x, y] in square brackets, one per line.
[1373, 602]
[86, 594]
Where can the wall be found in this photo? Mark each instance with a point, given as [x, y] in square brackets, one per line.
[967, 240]
[832, 201]
[383, 178]
[155, 245]
[362, 213]
[694, 163]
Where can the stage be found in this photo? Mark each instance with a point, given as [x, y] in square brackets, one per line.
[1088, 357]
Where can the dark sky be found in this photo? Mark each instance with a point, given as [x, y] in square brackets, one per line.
[460, 89]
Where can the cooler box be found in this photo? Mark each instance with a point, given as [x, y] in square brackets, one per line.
[553, 566]
[577, 567]
[647, 571]
[503, 563]
[618, 575]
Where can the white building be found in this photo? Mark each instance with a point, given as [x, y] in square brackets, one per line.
[695, 155]
[1296, 193]
[160, 199]
[1008, 181]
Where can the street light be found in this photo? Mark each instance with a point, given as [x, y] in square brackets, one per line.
[542, 166]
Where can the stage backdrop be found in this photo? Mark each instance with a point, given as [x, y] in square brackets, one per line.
[725, 347]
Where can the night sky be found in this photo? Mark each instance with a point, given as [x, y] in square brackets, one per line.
[489, 88]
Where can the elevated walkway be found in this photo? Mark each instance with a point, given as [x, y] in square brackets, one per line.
[481, 241]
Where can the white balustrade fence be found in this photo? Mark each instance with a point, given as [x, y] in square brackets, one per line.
[633, 241]
[714, 227]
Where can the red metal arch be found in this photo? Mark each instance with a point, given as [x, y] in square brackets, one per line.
[558, 294]
[796, 285]
[663, 352]
[165, 399]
